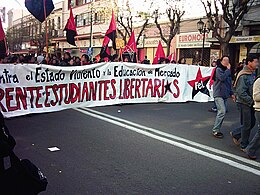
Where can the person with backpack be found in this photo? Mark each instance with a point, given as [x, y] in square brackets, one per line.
[7, 143]
[222, 90]
[244, 97]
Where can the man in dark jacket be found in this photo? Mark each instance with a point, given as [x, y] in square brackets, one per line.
[222, 89]
[7, 143]
[244, 94]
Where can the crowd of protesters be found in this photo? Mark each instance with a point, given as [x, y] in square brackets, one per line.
[68, 60]
[56, 60]
[246, 93]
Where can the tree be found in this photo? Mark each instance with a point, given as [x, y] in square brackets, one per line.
[174, 15]
[126, 18]
[232, 13]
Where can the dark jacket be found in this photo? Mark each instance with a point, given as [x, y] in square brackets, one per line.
[7, 142]
[244, 88]
[222, 86]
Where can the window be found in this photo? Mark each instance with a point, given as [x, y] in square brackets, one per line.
[88, 1]
[79, 2]
[32, 31]
[99, 17]
[72, 3]
[83, 19]
[29, 29]
[40, 28]
[36, 30]
[95, 17]
[58, 23]
[49, 26]
[75, 3]
[52, 25]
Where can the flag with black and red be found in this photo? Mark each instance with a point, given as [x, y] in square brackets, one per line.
[70, 29]
[111, 32]
[105, 53]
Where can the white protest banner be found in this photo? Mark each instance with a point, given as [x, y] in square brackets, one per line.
[31, 88]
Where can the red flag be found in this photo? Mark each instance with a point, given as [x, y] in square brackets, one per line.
[2, 33]
[159, 53]
[3, 47]
[131, 45]
[70, 29]
[211, 81]
[97, 57]
[111, 32]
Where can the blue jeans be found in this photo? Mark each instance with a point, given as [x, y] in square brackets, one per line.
[221, 104]
[247, 120]
[255, 143]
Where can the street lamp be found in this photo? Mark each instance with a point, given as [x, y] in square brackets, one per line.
[143, 39]
[203, 29]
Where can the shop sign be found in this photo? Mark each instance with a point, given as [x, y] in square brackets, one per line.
[153, 42]
[192, 40]
[245, 39]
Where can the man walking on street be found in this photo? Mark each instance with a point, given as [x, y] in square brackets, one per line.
[255, 143]
[244, 97]
[221, 91]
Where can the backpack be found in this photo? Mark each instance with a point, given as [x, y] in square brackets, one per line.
[22, 178]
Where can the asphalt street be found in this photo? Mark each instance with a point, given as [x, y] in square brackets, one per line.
[136, 149]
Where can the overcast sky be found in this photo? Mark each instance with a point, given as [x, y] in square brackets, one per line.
[193, 8]
[15, 4]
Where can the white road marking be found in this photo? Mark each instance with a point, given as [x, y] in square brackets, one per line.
[205, 147]
[175, 143]
[53, 149]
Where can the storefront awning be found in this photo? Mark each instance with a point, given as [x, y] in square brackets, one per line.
[245, 39]
[85, 36]
[255, 49]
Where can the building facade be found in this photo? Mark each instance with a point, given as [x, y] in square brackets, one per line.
[28, 35]
[247, 36]
[189, 44]
[92, 19]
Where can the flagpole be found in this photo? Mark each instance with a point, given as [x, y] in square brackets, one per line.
[6, 50]
[78, 43]
[46, 26]
[121, 54]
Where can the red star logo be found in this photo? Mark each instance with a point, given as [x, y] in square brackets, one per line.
[199, 84]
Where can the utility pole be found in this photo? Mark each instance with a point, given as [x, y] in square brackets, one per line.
[21, 31]
[91, 31]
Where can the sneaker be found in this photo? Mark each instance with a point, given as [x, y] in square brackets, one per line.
[213, 110]
[235, 140]
[243, 149]
[251, 157]
[218, 135]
